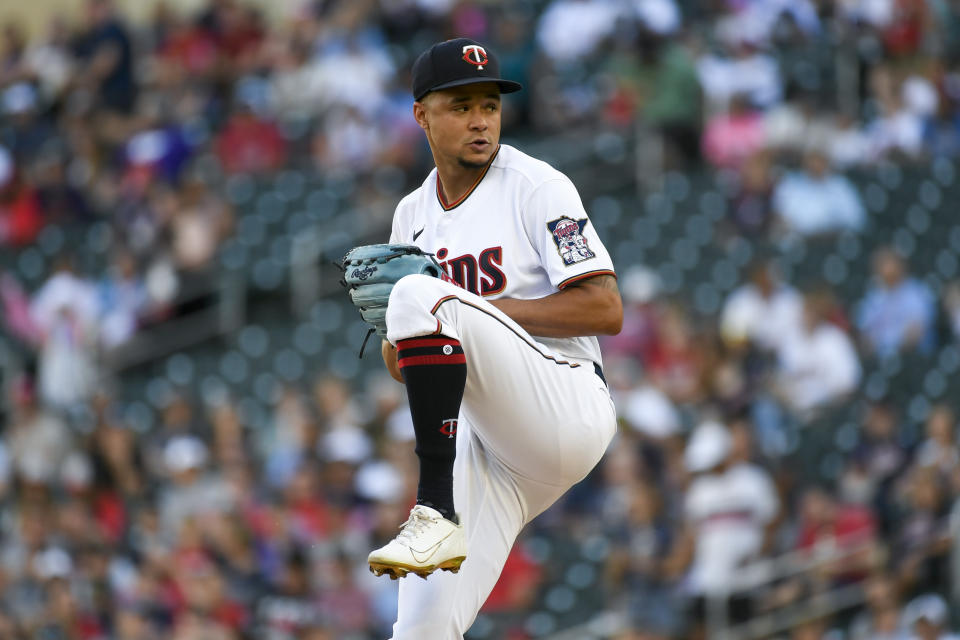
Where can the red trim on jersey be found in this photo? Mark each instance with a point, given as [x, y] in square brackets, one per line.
[456, 203]
[437, 306]
[412, 361]
[584, 276]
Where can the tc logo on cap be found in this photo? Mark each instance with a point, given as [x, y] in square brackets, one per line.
[479, 57]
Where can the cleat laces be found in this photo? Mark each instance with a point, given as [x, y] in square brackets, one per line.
[414, 525]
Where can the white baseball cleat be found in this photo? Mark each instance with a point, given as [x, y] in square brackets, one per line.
[427, 541]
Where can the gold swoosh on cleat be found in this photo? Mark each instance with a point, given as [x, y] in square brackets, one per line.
[426, 554]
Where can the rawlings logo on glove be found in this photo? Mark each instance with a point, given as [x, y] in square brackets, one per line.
[363, 274]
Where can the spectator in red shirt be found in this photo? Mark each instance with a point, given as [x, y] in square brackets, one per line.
[675, 361]
[250, 144]
[187, 48]
[848, 530]
[21, 216]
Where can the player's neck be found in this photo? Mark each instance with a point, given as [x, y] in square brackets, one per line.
[454, 185]
[455, 180]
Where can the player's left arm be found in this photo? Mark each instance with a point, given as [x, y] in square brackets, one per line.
[587, 307]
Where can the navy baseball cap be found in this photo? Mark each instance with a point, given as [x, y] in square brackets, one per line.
[455, 63]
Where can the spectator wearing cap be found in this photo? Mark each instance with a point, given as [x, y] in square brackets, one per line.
[343, 449]
[897, 313]
[191, 494]
[815, 201]
[927, 617]
[649, 411]
[728, 509]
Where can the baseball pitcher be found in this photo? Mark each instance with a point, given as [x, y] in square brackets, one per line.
[489, 296]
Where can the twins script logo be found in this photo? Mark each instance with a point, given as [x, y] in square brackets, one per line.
[449, 427]
[478, 57]
[363, 274]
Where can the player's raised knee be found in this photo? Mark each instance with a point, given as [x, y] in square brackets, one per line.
[410, 284]
[409, 310]
[414, 287]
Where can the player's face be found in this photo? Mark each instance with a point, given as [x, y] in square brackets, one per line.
[462, 123]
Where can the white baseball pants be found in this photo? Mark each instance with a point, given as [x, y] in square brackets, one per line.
[531, 424]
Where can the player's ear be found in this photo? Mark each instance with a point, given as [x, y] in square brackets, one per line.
[420, 114]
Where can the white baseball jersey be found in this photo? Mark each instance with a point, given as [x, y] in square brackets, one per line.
[519, 232]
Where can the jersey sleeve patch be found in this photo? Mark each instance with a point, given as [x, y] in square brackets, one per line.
[567, 234]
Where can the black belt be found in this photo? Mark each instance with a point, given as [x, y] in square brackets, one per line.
[599, 372]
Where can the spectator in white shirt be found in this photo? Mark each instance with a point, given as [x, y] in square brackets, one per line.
[748, 72]
[848, 144]
[591, 20]
[817, 201]
[817, 365]
[763, 311]
[66, 312]
[898, 129]
[728, 509]
[192, 493]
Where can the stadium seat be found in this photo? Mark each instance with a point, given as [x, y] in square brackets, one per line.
[239, 189]
[180, 369]
[254, 341]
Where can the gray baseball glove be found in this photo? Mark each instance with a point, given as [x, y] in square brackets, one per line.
[370, 271]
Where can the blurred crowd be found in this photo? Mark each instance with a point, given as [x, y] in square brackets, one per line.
[203, 529]
[703, 486]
